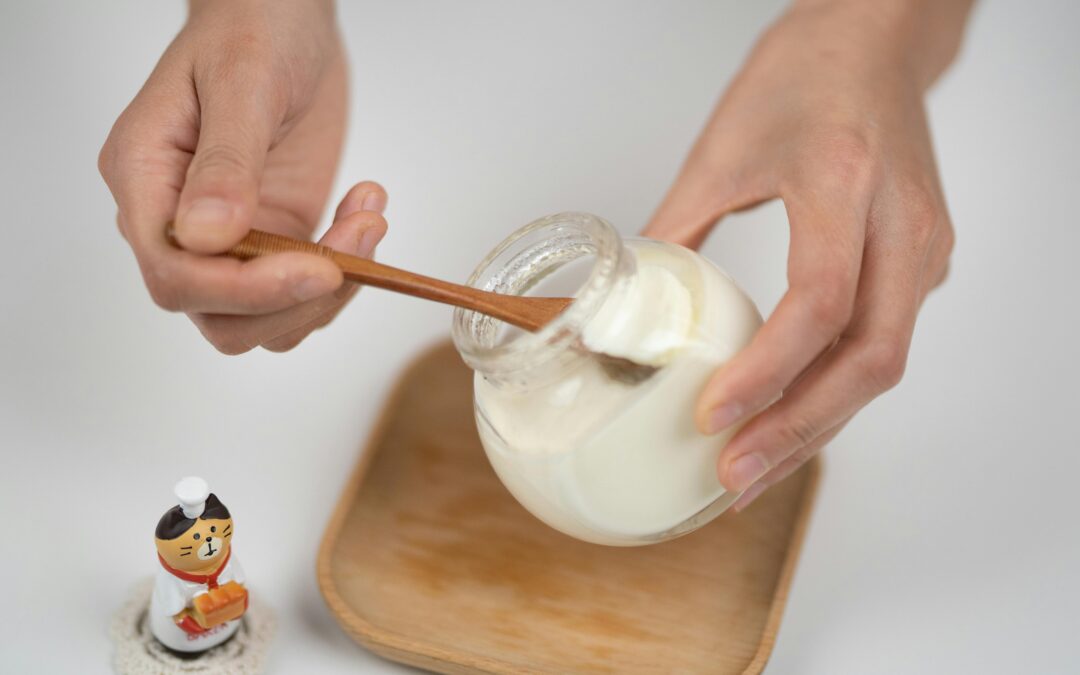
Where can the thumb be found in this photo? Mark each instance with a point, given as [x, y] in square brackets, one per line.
[221, 191]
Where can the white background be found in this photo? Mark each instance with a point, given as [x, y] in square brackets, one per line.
[945, 539]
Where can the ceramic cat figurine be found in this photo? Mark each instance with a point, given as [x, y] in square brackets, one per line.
[199, 594]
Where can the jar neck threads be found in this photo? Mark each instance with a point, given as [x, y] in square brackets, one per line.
[542, 251]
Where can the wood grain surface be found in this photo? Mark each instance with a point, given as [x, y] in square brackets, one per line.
[428, 560]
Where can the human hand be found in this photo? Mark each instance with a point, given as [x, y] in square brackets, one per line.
[240, 125]
[827, 115]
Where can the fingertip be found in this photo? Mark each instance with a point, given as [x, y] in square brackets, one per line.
[722, 475]
[284, 344]
[721, 417]
[741, 472]
[357, 233]
[372, 234]
[717, 409]
[210, 225]
[702, 420]
[747, 498]
[374, 201]
[722, 472]
[364, 196]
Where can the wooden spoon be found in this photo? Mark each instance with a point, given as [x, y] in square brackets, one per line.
[531, 314]
[528, 313]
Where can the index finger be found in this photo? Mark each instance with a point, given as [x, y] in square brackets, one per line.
[825, 253]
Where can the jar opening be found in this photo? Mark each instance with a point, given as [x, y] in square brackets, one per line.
[568, 254]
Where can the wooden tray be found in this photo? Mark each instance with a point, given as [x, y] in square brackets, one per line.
[428, 560]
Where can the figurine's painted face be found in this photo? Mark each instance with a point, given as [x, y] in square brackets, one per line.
[203, 546]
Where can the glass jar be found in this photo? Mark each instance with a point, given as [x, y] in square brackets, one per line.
[599, 455]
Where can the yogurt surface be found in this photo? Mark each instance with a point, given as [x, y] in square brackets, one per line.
[647, 320]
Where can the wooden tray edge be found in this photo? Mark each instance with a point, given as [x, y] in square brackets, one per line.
[787, 571]
[402, 649]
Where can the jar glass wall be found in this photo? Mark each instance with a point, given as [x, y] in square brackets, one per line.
[598, 455]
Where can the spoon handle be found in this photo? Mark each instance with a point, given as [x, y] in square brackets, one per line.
[529, 313]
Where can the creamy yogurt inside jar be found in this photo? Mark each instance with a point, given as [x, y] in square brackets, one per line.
[605, 453]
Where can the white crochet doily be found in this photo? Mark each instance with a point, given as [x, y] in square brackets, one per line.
[139, 653]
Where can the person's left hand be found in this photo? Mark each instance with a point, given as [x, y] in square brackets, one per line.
[827, 116]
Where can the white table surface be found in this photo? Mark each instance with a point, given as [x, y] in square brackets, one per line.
[945, 539]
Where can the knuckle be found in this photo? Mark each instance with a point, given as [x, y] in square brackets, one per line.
[245, 302]
[948, 240]
[122, 227]
[942, 276]
[224, 336]
[848, 158]
[106, 159]
[798, 431]
[924, 211]
[110, 149]
[325, 320]
[343, 294]
[264, 295]
[830, 301]
[125, 154]
[246, 54]
[119, 150]
[220, 158]
[248, 48]
[163, 292]
[883, 360]
[246, 67]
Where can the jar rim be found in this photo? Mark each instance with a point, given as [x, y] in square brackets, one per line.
[515, 265]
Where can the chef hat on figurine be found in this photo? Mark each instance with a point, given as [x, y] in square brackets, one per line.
[191, 493]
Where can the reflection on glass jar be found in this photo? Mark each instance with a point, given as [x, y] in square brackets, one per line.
[591, 444]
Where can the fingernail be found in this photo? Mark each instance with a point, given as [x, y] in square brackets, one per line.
[368, 241]
[745, 471]
[747, 498]
[724, 416]
[374, 201]
[208, 213]
[310, 288]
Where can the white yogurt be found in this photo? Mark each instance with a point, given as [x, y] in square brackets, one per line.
[618, 464]
[648, 319]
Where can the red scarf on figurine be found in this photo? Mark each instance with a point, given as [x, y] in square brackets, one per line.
[209, 579]
[188, 623]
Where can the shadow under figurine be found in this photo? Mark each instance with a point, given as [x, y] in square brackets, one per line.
[199, 593]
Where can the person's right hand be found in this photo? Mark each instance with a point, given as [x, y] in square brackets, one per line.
[240, 125]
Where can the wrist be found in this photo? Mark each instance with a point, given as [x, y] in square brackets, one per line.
[321, 9]
[921, 37]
